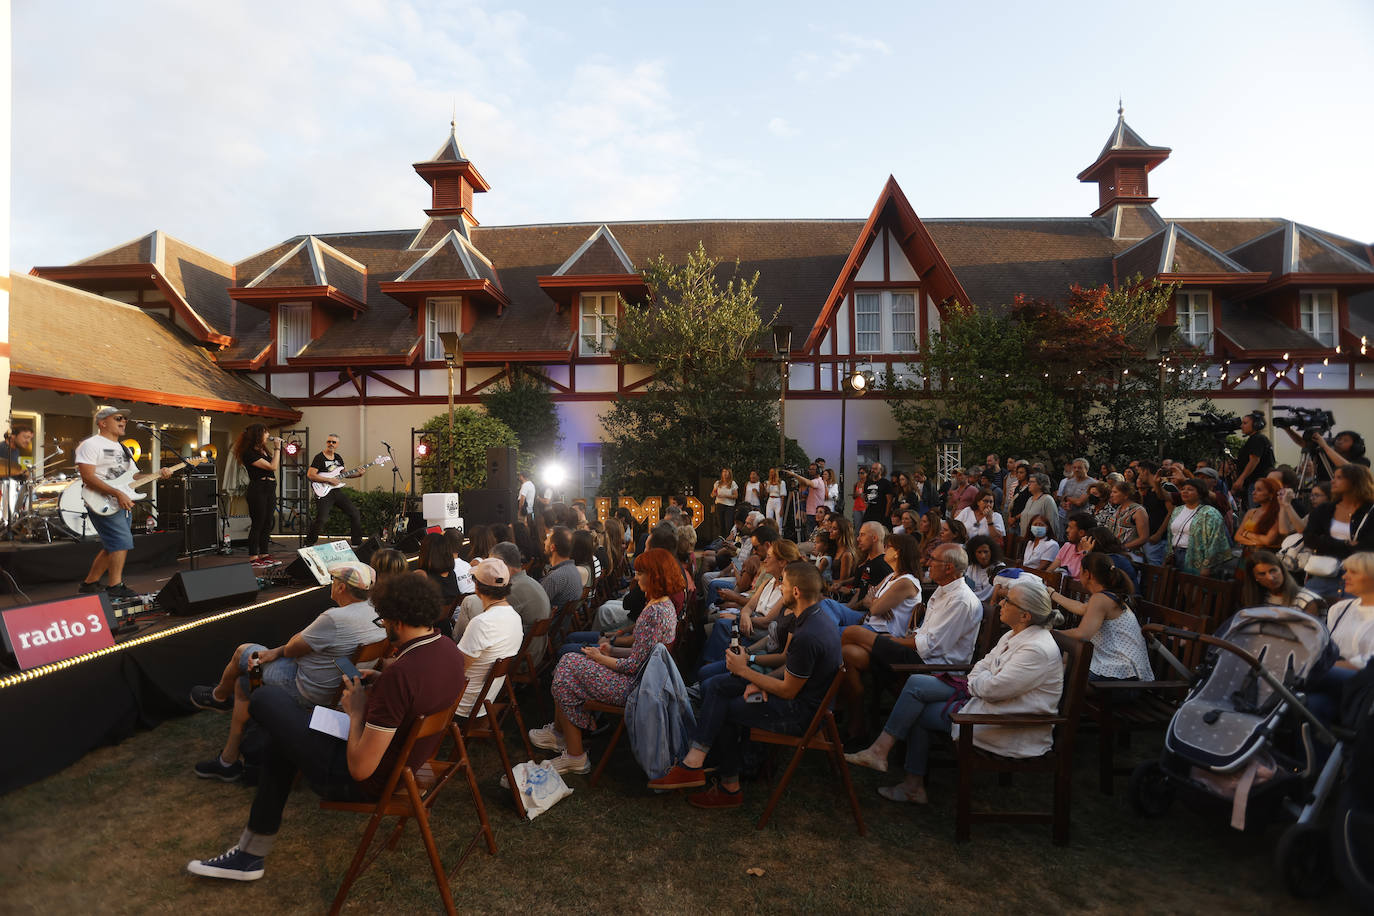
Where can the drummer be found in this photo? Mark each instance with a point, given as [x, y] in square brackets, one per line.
[18, 444]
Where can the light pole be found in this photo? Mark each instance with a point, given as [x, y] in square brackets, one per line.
[782, 345]
[855, 380]
[453, 356]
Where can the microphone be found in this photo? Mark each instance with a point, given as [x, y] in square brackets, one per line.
[143, 426]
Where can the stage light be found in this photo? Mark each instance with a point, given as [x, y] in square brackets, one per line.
[858, 381]
[554, 474]
[291, 447]
[421, 450]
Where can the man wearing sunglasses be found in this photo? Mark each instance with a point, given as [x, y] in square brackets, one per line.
[102, 458]
[325, 461]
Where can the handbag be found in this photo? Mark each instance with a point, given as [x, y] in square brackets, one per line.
[541, 786]
[1324, 567]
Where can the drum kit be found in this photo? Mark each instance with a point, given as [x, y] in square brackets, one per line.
[31, 505]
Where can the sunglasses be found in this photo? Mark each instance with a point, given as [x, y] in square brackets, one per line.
[331, 442]
[118, 419]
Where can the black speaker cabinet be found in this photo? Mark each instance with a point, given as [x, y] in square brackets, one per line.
[174, 493]
[204, 531]
[501, 469]
[200, 591]
[488, 507]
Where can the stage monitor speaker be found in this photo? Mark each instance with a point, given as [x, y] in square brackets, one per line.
[204, 531]
[501, 469]
[200, 591]
[488, 507]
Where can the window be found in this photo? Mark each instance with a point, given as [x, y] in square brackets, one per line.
[1194, 312]
[441, 315]
[293, 329]
[885, 322]
[1317, 313]
[597, 328]
[590, 455]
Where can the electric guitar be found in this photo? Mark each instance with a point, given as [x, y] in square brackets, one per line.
[333, 480]
[98, 502]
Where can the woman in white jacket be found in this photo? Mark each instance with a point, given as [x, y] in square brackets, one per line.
[1022, 674]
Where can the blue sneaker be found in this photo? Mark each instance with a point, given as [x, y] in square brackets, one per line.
[234, 865]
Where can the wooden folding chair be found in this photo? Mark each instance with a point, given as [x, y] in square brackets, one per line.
[410, 793]
[606, 709]
[1212, 599]
[371, 652]
[812, 740]
[1058, 760]
[1121, 707]
[488, 714]
[524, 670]
[1156, 583]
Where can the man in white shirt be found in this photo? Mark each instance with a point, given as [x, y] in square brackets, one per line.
[948, 633]
[526, 495]
[492, 635]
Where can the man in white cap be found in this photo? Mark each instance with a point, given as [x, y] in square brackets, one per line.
[303, 666]
[492, 635]
[100, 459]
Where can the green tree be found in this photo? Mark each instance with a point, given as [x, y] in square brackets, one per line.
[473, 433]
[710, 403]
[522, 401]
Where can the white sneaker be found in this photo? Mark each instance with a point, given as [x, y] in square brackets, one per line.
[565, 764]
[547, 738]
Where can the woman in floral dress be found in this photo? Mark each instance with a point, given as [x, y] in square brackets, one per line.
[605, 673]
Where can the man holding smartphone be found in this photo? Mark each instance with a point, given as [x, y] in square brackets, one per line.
[424, 676]
[303, 667]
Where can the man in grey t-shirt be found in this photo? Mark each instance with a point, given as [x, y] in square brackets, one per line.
[562, 583]
[1073, 491]
[304, 666]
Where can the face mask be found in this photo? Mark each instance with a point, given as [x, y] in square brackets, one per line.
[1038, 530]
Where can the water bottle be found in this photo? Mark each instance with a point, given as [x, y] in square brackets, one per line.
[734, 639]
[150, 526]
[254, 672]
[228, 547]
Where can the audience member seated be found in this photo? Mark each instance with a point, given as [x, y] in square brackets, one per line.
[1267, 581]
[1119, 650]
[822, 554]
[462, 569]
[562, 583]
[614, 614]
[846, 565]
[480, 542]
[1070, 555]
[386, 563]
[735, 596]
[527, 597]
[606, 673]
[1041, 503]
[872, 568]
[948, 634]
[1022, 674]
[584, 557]
[495, 633]
[1351, 624]
[761, 624]
[984, 563]
[424, 676]
[1041, 547]
[302, 669]
[437, 563]
[983, 518]
[1101, 540]
[889, 605]
[790, 697]
[713, 582]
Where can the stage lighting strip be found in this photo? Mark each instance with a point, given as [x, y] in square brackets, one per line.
[32, 673]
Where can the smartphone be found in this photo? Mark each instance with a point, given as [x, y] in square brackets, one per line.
[756, 697]
[347, 667]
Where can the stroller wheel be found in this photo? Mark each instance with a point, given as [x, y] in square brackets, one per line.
[1151, 792]
[1304, 860]
[1352, 847]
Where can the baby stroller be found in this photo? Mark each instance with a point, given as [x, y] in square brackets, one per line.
[1244, 737]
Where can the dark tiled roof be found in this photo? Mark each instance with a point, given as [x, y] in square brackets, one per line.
[296, 269]
[1227, 234]
[139, 251]
[1142, 259]
[1253, 329]
[344, 275]
[65, 333]
[1138, 222]
[1264, 253]
[203, 281]
[995, 259]
[1123, 137]
[386, 326]
[599, 258]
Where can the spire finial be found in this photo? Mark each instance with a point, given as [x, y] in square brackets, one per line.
[1120, 107]
[453, 121]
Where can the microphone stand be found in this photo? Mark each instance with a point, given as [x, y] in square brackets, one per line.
[399, 509]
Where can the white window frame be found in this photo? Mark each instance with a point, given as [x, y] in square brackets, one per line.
[886, 335]
[442, 313]
[589, 456]
[1194, 304]
[287, 345]
[1311, 303]
[599, 340]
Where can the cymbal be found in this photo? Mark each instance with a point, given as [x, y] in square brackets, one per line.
[11, 468]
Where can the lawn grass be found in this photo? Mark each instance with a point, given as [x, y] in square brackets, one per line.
[113, 834]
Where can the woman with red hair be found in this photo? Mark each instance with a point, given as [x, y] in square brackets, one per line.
[606, 673]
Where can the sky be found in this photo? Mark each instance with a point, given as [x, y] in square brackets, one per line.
[236, 125]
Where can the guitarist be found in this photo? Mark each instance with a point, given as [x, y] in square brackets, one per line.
[100, 458]
[324, 462]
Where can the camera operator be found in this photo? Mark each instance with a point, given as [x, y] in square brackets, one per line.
[1346, 447]
[1256, 458]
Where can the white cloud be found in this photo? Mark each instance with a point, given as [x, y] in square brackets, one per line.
[779, 127]
[846, 53]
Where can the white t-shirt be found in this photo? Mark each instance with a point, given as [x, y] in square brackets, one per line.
[751, 492]
[726, 493]
[527, 494]
[110, 459]
[975, 524]
[492, 635]
[1179, 526]
[462, 574]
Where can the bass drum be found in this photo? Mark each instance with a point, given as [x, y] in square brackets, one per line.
[67, 511]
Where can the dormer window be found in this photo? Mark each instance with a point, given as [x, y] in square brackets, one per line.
[293, 329]
[885, 322]
[441, 315]
[596, 323]
[1317, 315]
[1194, 313]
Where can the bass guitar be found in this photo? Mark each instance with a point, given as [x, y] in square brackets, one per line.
[334, 477]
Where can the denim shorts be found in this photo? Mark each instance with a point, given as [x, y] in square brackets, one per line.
[116, 532]
[280, 673]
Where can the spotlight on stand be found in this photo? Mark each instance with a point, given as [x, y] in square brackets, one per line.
[422, 450]
[291, 448]
[554, 474]
[950, 430]
[860, 381]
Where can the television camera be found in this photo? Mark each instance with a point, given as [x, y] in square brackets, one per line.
[1308, 422]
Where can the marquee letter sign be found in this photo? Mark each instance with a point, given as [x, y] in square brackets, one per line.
[647, 511]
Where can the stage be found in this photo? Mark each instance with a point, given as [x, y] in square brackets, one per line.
[55, 714]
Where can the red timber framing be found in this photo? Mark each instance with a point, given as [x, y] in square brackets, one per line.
[147, 396]
[936, 279]
[103, 278]
[267, 297]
